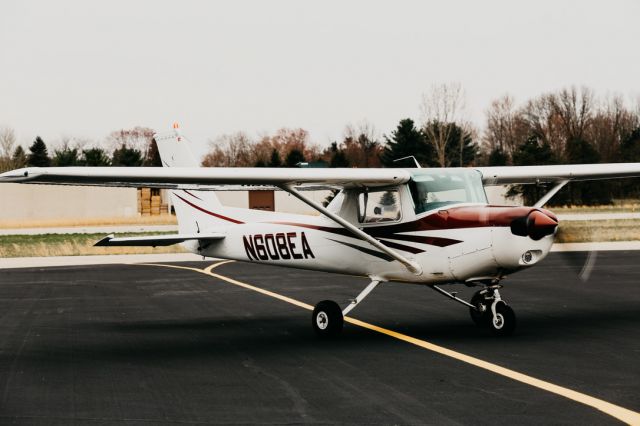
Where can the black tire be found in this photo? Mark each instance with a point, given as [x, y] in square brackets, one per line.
[505, 322]
[479, 317]
[327, 319]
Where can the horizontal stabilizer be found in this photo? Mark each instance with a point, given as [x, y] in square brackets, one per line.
[156, 240]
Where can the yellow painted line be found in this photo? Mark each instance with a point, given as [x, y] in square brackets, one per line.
[620, 413]
[211, 267]
[208, 271]
[263, 291]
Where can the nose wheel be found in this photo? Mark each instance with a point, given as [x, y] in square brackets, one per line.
[503, 321]
[489, 310]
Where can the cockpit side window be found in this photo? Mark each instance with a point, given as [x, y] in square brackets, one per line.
[379, 206]
[437, 188]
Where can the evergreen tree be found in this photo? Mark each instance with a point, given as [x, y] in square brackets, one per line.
[260, 163]
[580, 151]
[630, 152]
[19, 158]
[152, 156]
[126, 157]
[39, 156]
[388, 198]
[407, 140]
[275, 160]
[531, 153]
[460, 149]
[338, 156]
[630, 147]
[65, 157]
[95, 157]
[497, 157]
[294, 157]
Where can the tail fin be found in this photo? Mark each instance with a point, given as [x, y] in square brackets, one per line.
[175, 151]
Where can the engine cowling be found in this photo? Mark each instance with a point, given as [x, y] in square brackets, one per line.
[536, 225]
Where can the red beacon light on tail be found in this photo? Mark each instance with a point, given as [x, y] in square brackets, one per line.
[176, 128]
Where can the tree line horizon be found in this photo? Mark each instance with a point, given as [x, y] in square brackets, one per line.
[568, 126]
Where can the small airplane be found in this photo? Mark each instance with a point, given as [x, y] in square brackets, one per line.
[427, 226]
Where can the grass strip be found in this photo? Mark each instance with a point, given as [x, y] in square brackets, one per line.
[72, 245]
[582, 231]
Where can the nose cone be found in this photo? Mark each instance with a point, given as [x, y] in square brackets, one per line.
[540, 225]
[536, 225]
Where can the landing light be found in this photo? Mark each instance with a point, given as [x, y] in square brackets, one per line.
[530, 257]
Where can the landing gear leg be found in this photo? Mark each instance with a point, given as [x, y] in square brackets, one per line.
[488, 309]
[503, 319]
[328, 320]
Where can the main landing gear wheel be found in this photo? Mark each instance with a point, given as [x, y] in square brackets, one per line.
[481, 315]
[327, 319]
[504, 321]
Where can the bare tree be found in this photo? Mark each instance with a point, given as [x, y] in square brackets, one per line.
[610, 124]
[574, 108]
[544, 123]
[442, 105]
[239, 150]
[7, 141]
[286, 140]
[362, 144]
[231, 150]
[7, 144]
[505, 128]
[136, 138]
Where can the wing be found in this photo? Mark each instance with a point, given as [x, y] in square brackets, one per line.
[156, 240]
[206, 178]
[557, 173]
[268, 178]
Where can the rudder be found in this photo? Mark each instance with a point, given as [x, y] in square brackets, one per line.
[175, 151]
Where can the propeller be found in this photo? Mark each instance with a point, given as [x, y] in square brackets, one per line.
[583, 262]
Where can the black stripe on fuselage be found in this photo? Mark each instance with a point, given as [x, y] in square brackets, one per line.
[368, 251]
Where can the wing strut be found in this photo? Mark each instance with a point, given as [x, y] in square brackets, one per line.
[408, 263]
[553, 191]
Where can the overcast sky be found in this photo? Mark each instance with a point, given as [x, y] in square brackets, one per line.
[85, 68]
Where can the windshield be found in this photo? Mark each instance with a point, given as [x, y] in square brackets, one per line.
[434, 188]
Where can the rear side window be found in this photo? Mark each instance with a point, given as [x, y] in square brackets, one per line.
[379, 206]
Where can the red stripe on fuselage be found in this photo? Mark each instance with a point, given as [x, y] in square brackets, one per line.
[452, 218]
[219, 216]
[194, 196]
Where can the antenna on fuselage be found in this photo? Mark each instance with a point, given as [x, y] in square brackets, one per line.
[409, 156]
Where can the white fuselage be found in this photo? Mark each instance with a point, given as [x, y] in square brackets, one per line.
[447, 249]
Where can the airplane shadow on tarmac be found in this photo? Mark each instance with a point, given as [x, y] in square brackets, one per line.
[184, 338]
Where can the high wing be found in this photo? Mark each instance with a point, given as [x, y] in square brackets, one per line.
[206, 178]
[156, 240]
[557, 173]
[267, 178]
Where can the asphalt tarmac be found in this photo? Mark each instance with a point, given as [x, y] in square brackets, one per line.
[141, 344]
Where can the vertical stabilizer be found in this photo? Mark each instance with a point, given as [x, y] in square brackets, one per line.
[175, 151]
